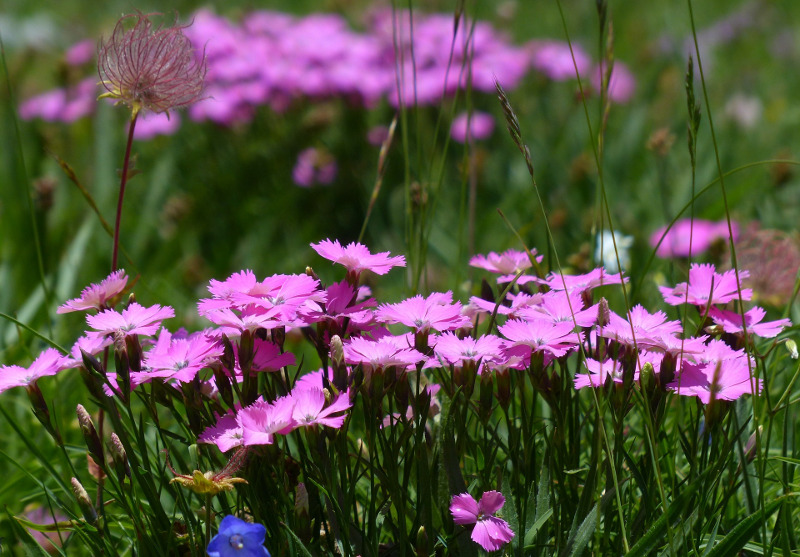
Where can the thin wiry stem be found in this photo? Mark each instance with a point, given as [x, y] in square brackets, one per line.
[122, 182]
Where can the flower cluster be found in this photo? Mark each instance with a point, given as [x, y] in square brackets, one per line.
[413, 350]
[314, 57]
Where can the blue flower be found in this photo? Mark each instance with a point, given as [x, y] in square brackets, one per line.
[237, 538]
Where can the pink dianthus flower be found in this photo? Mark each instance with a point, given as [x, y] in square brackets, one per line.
[706, 286]
[49, 362]
[357, 258]
[98, 296]
[490, 532]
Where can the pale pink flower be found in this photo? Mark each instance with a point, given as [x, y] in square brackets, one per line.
[490, 532]
[731, 322]
[134, 320]
[357, 258]
[97, 296]
[642, 326]
[556, 307]
[49, 362]
[436, 312]
[621, 85]
[706, 286]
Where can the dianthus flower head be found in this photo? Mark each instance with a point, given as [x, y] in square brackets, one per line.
[357, 258]
[134, 320]
[490, 532]
[98, 296]
[706, 286]
[150, 67]
[507, 264]
[437, 312]
[48, 362]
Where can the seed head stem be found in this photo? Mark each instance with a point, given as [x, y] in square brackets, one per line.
[122, 182]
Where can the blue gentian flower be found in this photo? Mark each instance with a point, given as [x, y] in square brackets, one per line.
[237, 538]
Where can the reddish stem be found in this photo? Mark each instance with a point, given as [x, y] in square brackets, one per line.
[122, 182]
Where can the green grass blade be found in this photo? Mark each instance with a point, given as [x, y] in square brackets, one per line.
[738, 537]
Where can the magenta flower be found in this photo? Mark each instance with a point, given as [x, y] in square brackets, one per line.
[357, 258]
[310, 409]
[472, 126]
[179, 358]
[280, 296]
[225, 434]
[556, 307]
[134, 320]
[726, 379]
[508, 264]
[490, 532]
[703, 233]
[151, 68]
[381, 353]
[599, 372]
[577, 284]
[436, 312]
[453, 350]
[540, 335]
[643, 326]
[49, 362]
[706, 287]
[262, 420]
[731, 322]
[98, 296]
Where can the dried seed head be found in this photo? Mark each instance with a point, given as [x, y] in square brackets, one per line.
[150, 67]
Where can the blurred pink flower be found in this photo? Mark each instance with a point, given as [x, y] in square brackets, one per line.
[622, 84]
[674, 242]
[473, 126]
[314, 166]
[577, 284]
[507, 264]
[554, 59]
[80, 53]
[490, 532]
[97, 296]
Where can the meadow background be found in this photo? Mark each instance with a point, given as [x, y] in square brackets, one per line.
[214, 199]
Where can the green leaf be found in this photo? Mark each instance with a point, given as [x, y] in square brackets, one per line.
[744, 531]
[301, 549]
[659, 528]
[530, 535]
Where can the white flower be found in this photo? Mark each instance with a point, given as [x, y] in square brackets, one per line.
[605, 255]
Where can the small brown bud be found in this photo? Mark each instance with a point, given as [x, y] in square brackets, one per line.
[90, 434]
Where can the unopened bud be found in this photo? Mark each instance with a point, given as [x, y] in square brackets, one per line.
[422, 542]
[337, 350]
[647, 377]
[310, 272]
[90, 434]
[603, 313]
[750, 446]
[134, 349]
[83, 501]
[791, 346]
[41, 411]
[503, 387]
[120, 458]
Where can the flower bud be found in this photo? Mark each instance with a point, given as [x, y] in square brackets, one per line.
[84, 502]
[422, 542]
[134, 350]
[603, 313]
[120, 458]
[41, 411]
[791, 346]
[647, 378]
[750, 446]
[503, 388]
[90, 434]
